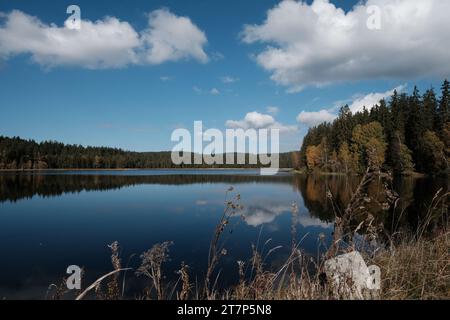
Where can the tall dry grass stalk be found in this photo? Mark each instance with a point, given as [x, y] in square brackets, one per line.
[185, 282]
[96, 284]
[217, 245]
[113, 291]
[151, 266]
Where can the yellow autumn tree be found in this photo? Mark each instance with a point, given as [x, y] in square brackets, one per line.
[348, 160]
[368, 141]
[313, 157]
[344, 157]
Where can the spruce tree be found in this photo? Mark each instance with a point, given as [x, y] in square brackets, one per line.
[443, 115]
[415, 127]
[430, 106]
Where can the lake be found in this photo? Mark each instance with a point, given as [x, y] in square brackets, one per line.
[50, 220]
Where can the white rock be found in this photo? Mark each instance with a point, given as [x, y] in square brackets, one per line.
[349, 275]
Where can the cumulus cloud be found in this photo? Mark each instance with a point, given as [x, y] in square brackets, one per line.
[171, 38]
[105, 43]
[372, 99]
[317, 44]
[256, 120]
[315, 118]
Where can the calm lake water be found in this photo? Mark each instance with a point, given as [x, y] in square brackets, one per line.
[51, 220]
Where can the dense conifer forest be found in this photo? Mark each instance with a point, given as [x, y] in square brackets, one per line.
[405, 134]
[21, 154]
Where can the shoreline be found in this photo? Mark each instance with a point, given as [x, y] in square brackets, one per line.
[139, 169]
[415, 175]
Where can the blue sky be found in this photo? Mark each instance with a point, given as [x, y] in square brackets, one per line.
[136, 106]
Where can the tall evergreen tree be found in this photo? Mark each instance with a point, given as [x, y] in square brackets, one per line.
[398, 119]
[415, 127]
[430, 106]
[343, 127]
[443, 115]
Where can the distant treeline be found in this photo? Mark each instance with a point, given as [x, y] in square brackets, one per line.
[404, 134]
[20, 154]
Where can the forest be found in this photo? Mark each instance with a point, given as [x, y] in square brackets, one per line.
[21, 154]
[405, 134]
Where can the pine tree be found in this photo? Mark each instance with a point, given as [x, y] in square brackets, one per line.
[443, 115]
[415, 127]
[430, 106]
[398, 113]
[343, 127]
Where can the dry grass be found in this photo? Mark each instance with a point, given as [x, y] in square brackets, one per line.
[412, 269]
[417, 265]
[416, 268]
[151, 267]
[185, 282]
[217, 245]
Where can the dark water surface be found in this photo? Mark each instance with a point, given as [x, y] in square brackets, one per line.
[51, 220]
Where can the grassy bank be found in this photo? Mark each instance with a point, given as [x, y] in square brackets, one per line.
[416, 268]
[411, 269]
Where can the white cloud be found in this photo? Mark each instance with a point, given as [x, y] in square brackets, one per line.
[228, 79]
[256, 120]
[315, 118]
[317, 44]
[272, 110]
[105, 43]
[171, 38]
[214, 91]
[372, 99]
